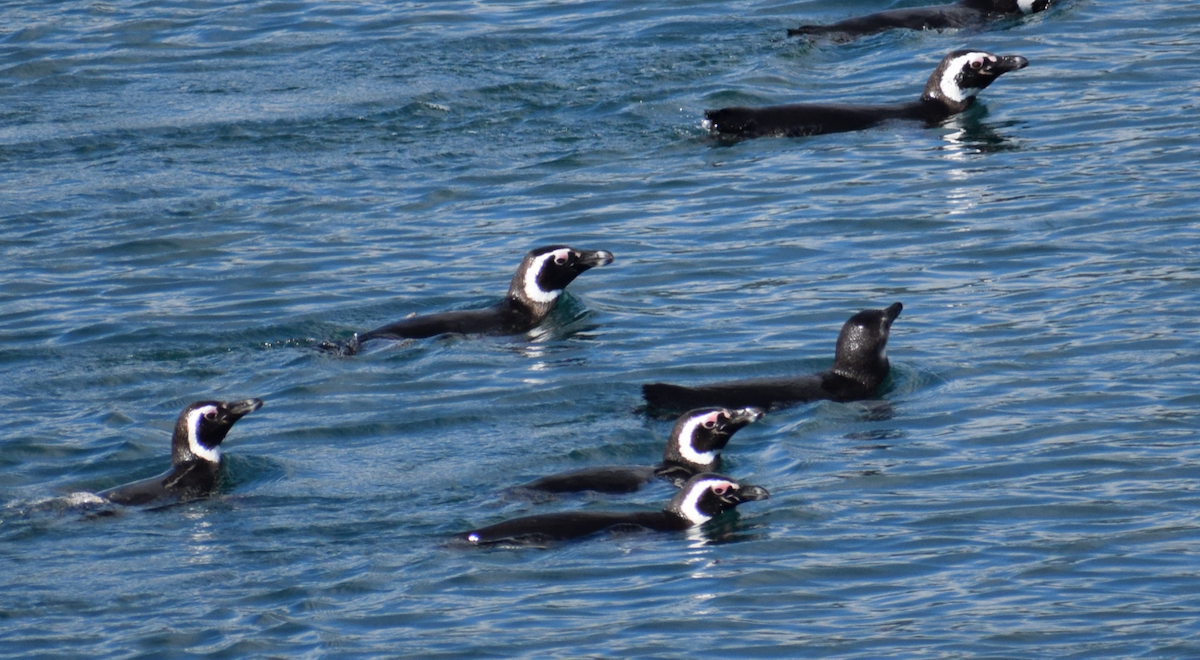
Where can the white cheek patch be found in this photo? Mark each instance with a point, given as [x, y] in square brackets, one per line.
[688, 507]
[1026, 6]
[532, 290]
[949, 83]
[685, 441]
[193, 430]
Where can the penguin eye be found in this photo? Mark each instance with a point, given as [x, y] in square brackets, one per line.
[720, 489]
[211, 415]
[708, 424]
[561, 261]
[976, 64]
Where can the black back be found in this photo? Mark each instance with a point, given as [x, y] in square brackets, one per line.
[950, 89]
[860, 365]
[964, 14]
[541, 277]
[701, 498]
[695, 446]
[195, 455]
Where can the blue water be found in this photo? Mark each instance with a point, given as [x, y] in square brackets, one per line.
[192, 193]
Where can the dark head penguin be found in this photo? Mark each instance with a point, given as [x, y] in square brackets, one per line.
[195, 454]
[963, 14]
[532, 295]
[697, 440]
[861, 354]
[701, 499]
[964, 73]
[860, 366]
[950, 89]
[708, 495]
[544, 274]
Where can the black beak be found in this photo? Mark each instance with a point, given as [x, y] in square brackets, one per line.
[592, 259]
[740, 418]
[235, 410]
[1006, 63]
[750, 494]
[893, 311]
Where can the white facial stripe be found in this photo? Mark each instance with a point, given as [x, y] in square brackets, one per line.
[1026, 6]
[688, 507]
[193, 429]
[685, 441]
[532, 290]
[949, 85]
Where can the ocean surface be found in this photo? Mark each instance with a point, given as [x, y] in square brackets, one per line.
[193, 194]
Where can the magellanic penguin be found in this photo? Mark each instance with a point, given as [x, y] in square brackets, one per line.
[950, 90]
[195, 455]
[534, 292]
[703, 497]
[694, 447]
[859, 366]
[962, 14]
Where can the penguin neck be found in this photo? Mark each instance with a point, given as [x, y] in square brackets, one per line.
[677, 466]
[935, 107]
[866, 373]
[531, 312]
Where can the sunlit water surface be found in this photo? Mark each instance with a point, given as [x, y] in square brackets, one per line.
[192, 193]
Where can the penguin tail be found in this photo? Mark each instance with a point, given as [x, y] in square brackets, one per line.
[340, 348]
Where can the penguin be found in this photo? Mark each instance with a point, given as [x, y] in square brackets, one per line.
[950, 90]
[701, 499]
[694, 447]
[859, 366]
[195, 455]
[962, 14]
[534, 292]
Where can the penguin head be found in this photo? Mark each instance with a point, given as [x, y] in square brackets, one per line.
[547, 270]
[862, 345]
[964, 73]
[699, 435]
[708, 494]
[202, 426]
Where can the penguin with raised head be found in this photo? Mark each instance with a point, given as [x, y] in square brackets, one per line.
[702, 498]
[951, 89]
[860, 364]
[694, 447]
[533, 294]
[195, 455]
[962, 14]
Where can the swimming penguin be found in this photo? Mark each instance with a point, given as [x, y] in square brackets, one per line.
[532, 295]
[694, 447]
[195, 455]
[950, 90]
[962, 14]
[859, 366]
[702, 498]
